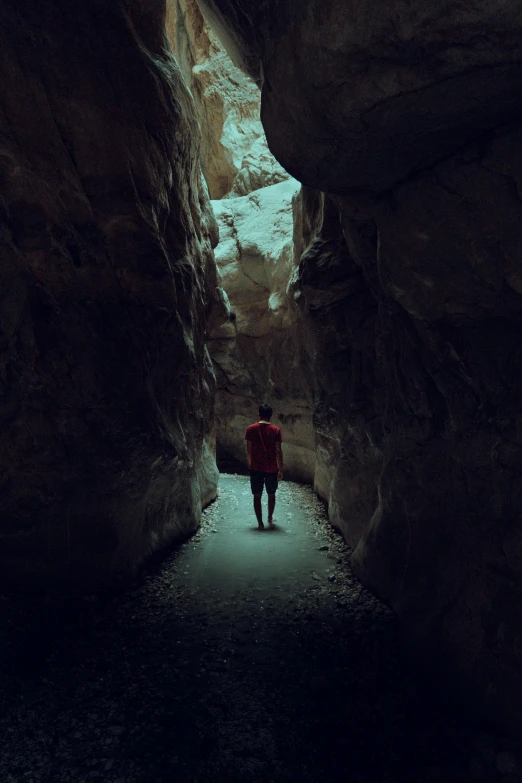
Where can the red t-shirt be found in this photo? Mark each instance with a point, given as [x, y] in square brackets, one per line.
[263, 438]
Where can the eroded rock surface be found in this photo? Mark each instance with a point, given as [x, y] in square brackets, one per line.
[253, 341]
[255, 347]
[235, 155]
[409, 120]
[107, 278]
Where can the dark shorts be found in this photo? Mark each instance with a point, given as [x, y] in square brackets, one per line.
[258, 480]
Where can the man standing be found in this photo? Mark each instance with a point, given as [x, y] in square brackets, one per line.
[265, 460]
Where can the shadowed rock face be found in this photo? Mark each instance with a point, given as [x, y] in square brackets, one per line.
[410, 291]
[336, 334]
[394, 87]
[234, 153]
[106, 280]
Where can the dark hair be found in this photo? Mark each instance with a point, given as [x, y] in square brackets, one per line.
[265, 412]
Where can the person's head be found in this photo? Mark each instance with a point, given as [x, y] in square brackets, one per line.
[265, 412]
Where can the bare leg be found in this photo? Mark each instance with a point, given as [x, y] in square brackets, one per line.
[259, 511]
[271, 506]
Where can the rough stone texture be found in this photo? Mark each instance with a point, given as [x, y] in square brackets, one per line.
[412, 342]
[106, 279]
[235, 156]
[409, 119]
[255, 351]
[446, 260]
[392, 89]
[253, 344]
[337, 361]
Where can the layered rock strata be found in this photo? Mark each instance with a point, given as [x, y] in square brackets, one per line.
[411, 295]
[107, 279]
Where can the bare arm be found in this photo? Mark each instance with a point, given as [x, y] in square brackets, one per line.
[279, 458]
[248, 445]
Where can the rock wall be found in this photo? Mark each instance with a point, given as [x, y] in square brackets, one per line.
[255, 348]
[234, 153]
[106, 281]
[337, 359]
[410, 293]
[253, 340]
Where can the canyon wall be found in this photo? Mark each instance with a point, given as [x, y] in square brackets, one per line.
[255, 348]
[253, 340]
[336, 336]
[107, 279]
[234, 152]
[409, 289]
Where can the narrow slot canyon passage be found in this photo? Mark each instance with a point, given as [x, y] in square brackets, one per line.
[243, 656]
[208, 205]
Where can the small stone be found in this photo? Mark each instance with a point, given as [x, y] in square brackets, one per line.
[477, 769]
[115, 729]
[322, 548]
[488, 755]
[331, 578]
[508, 763]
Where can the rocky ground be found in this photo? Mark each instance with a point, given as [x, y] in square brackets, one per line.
[242, 656]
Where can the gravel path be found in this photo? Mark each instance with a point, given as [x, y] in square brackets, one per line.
[242, 656]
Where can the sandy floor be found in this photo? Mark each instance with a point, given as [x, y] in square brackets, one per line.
[243, 656]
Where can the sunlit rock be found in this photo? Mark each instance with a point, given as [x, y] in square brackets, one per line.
[235, 156]
[407, 115]
[253, 340]
[255, 349]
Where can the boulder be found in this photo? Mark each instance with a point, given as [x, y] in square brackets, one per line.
[107, 279]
